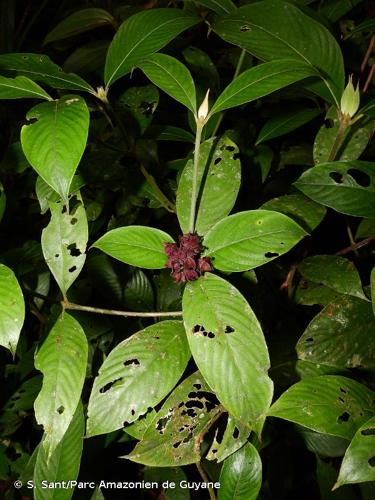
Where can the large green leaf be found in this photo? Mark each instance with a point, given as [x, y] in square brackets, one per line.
[64, 241]
[225, 338]
[41, 69]
[137, 375]
[241, 475]
[174, 435]
[260, 81]
[21, 86]
[346, 186]
[250, 239]
[171, 76]
[62, 359]
[136, 245]
[55, 139]
[141, 35]
[219, 170]
[341, 335]
[12, 309]
[330, 404]
[276, 30]
[63, 464]
[358, 463]
[79, 22]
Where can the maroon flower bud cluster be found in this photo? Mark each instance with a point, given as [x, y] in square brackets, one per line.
[184, 259]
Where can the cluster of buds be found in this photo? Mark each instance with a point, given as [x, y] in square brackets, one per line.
[184, 259]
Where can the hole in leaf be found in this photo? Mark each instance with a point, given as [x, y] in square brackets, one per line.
[132, 362]
[371, 461]
[217, 161]
[344, 417]
[197, 386]
[198, 328]
[132, 412]
[109, 385]
[73, 250]
[310, 339]
[230, 148]
[57, 256]
[236, 433]
[210, 335]
[344, 391]
[245, 28]
[194, 404]
[228, 329]
[342, 400]
[368, 432]
[73, 221]
[176, 445]
[236, 156]
[270, 255]
[162, 423]
[72, 269]
[328, 123]
[60, 410]
[190, 412]
[337, 177]
[361, 178]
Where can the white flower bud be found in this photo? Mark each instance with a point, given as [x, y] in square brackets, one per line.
[203, 109]
[350, 100]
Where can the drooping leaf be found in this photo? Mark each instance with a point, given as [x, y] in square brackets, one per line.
[12, 309]
[241, 475]
[62, 359]
[64, 242]
[250, 239]
[174, 436]
[346, 186]
[220, 170]
[55, 141]
[41, 69]
[225, 337]
[218, 6]
[234, 437]
[273, 29]
[330, 404]
[64, 462]
[141, 35]
[21, 86]
[171, 76]
[260, 81]
[137, 375]
[79, 22]
[139, 246]
[358, 463]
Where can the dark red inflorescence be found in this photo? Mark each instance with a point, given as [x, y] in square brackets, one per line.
[184, 259]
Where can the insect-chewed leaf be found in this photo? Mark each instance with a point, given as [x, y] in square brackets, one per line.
[62, 359]
[21, 86]
[250, 239]
[136, 375]
[234, 437]
[174, 436]
[330, 404]
[225, 338]
[12, 309]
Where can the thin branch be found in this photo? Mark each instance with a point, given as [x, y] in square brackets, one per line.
[116, 312]
[368, 54]
[194, 191]
[204, 476]
[356, 246]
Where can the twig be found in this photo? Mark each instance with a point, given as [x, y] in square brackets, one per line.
[204, 476]
[369, 78]
[287, 285]
[368, 54]
[356, 246]
[115, 312]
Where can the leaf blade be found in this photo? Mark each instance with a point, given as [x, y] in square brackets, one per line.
[21, 86]
[12, 309]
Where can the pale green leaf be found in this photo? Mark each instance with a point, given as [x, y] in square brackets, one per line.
[12, 309]
[21, 86]
[98, 494]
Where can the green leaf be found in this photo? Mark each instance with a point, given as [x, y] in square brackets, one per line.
[365, 229]
[202, 67]
[42, 70]
[341, 335]
[46, 194]
[172, 77]
[174, 436]
[260, 81]
[302, 210]
[367, 26]
[64, 242]
[373, 289]
[136, 375]
[334, 272]
[286, 122]
[55, 141]
[358, 463]
[250, 239]
[140, 103]
[330, 404]
[139, 246]
[138, 292]
[138, 428]
[141, 35]
[3, 201]
[16, 88]
[225, 337]
[326, 475]
[62, 359]
[368, 109]
[347, 187]
[273, 30]
[334, 10]
[234, 437]
[170, 475]
[12, 309]
[218, 6]
[63, 464]
[98, 494]
[221, 170]
[79, 22]
[241, 475]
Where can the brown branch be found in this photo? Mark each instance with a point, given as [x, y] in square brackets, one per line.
[356, 246]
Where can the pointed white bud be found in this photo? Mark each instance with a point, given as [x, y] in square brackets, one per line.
[203, 109]
[350, 99]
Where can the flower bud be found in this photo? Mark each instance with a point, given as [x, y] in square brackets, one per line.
[203, 109]
[102, 94]
[350, 99]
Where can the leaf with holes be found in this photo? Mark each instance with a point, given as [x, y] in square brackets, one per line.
[225, 337]
[219, 179]
[64, 241]
[241, 475]
[41, 69]
[62, 359]
[330, 404]
[136, 245]
[137, 375]
[64, 462]
[174, 436]
[346, 186]
[16, 88]
[172, 77]
[12, 309]
[234, 437]
[250, 239]
[55, 139]
[358, 464]
[46, 194]
[141, 35]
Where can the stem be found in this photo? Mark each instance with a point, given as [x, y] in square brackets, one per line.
[338, 139]
[204, 476]
[115, 312]
[356, 246]
[194, 191]
[351, 239]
